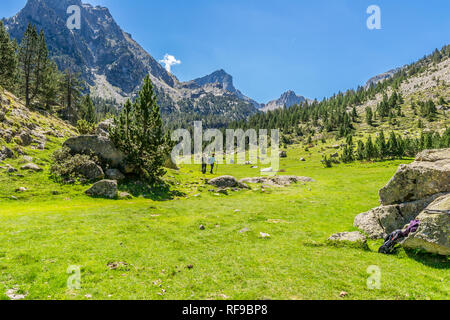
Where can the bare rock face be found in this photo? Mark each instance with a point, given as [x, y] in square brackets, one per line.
[428, 175]
[103, 189]
[100, 146]
[433, 234]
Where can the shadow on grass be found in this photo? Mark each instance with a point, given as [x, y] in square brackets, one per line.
[431, 260]
[156, 193]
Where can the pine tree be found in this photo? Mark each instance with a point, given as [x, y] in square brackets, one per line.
[27, 61]
[8, 60]
[369, 116]
[139, 134]
[87, 110]
[370, 150]
[360, 151]
[381, 145]
[71, 86]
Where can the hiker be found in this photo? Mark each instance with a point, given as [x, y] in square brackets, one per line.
[395, 237]
[212, 161]
[204, 164]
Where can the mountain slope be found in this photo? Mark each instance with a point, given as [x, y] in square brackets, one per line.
[113, 64]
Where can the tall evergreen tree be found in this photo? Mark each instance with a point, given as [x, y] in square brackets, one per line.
[27, 61]
[138, 132]
[8, 60]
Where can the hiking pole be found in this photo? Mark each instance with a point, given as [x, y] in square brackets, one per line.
[217, 167]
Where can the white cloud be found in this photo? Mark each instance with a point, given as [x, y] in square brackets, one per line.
[169, 61]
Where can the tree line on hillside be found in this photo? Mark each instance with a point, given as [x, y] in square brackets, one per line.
[395, 147]
[27, 70]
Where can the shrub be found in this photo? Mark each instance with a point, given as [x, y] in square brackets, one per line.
[85, 127]
[65, 166]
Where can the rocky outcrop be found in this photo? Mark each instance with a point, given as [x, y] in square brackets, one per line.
[103, 189]
[428, 175]
[100, 146]
[433, 234]
[420, 190]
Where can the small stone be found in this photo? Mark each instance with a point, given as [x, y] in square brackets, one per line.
[343, 294]
[202, 227]
[32, 167]
[21, 189]
[264, 235]
[190, 266]
[245, 230]
[125, 196]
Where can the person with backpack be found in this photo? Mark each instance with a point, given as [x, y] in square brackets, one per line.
[212, 161]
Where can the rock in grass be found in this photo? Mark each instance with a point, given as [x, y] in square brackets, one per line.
[31, 167]
[224, 182]
[433, 234]
[353, 238]
[21, 189]
[125, 196]
[103, 189]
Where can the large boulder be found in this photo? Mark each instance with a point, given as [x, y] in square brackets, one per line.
[433, 234]
[100, 146]
[91, 171]
[103, 189]
[428, 175]
[383, 220]
[413, 188]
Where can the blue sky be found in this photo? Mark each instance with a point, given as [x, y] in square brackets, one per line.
[315, 48]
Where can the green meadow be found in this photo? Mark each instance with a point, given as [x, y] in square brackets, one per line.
[152, 246]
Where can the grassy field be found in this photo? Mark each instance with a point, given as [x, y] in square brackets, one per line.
[153, 238]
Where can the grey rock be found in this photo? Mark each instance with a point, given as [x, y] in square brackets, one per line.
[102, 147]
[6, 153]
[283, 154]
[31, 167]
[352, 237]
[419, 179]
[91, 171]
[224, 182]
[433, 234]
[104, 126]
[125, 196]
[103, 189]
[114, 174]
[383, 220]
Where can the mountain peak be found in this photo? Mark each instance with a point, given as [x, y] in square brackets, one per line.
[219, 76]
[287, 99]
